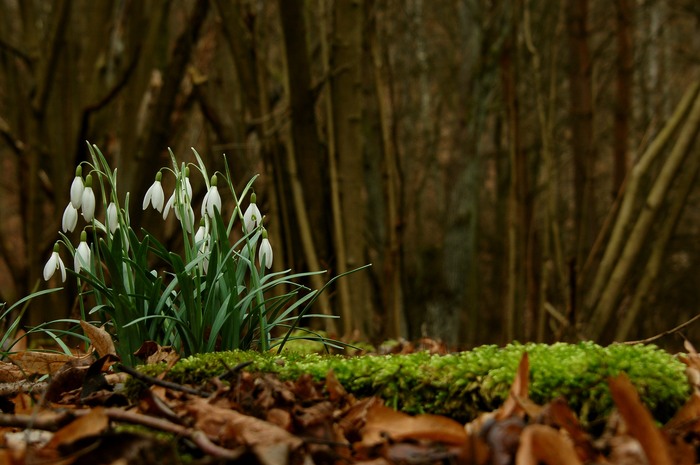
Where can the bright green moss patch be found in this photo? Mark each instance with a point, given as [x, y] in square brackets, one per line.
[465, 384]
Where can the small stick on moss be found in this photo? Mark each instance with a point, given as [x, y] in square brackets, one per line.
[232, 371]
[160, 382]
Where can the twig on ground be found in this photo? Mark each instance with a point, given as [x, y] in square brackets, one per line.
[232, 371]
[54, 421]
[159, 382]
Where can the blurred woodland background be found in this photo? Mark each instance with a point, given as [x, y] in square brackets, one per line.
[519, 169]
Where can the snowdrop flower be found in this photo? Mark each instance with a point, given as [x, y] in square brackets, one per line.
[76, 188]
[201, 233]
[252, 216]
[212, 199]
[188, 186]
[54, 263]
[188, 222]
[265, 252]
[111, 217]
[201, 241]
[88, 200]
[82, 254]
[70, 218]
[155, 195]
[171, 201]
[168, 205]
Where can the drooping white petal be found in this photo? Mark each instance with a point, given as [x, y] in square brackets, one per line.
[168, 206]
[155, 196]
[50, 266]
[82, 257]
[62, 267]
[251, 217]
[88, 204]
[76, 192]
[54, 263]
[70, 218]
[188, 188]
[201, 233]
[265, 253]
[188, 222]
[212, 200]
[112, 218]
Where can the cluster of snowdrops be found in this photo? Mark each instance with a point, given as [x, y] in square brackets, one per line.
[212, 295]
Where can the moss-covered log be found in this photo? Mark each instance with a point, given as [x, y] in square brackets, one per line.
[464, 384]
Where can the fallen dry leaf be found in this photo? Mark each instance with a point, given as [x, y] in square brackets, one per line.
[518, 390]
[383, 421]
[10, 373]
[231, 427]
[544, 444]
[687, 418]
[558, 413]
[91, 424]
[151, 352]
[100, 339]
[639, 421]
[42, 363]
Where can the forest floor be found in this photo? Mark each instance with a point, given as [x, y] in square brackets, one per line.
[81, 414]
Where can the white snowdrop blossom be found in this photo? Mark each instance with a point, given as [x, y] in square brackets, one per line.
[252, 216]
[201, 233]
[76, 188]
[112, 218]
[88, 200]
[212, 199]
[70, 218]
[187, 198]
[54, 263]
[201, 241]
[188, 186]
[187, 223]
[82, 254]
[265, 252]
[168, 205]
[155, 195]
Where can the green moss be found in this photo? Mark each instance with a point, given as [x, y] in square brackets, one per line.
[464, 384]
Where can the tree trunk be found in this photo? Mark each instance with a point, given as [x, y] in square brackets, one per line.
[623, 87]
[581, 114]
[638, 236]
[305, 161]
[346, 93]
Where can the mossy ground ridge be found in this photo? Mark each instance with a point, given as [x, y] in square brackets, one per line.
[462, 385]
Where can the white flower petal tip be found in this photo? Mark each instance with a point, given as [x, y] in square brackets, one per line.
[70, 218]
[155, 195]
